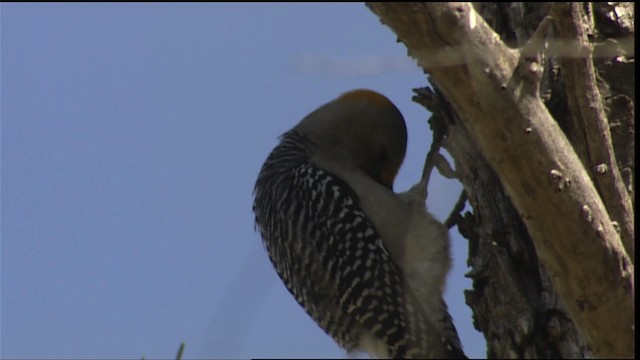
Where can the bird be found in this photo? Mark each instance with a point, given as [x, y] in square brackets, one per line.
[367, 264]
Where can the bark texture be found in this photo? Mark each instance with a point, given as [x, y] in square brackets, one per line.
[536, 105]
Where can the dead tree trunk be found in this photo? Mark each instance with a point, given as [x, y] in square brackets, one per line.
[535, 103]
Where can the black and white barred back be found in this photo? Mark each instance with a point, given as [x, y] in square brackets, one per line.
[329, 255]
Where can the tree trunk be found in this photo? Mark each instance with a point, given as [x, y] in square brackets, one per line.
[535, 103]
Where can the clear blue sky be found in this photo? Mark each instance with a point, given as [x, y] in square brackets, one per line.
[132, 135]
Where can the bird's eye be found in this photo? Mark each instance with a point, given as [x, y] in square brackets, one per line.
[383, 155]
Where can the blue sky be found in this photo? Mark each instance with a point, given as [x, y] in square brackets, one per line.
[131, 138]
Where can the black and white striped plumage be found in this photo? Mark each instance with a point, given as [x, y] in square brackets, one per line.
[330, 256]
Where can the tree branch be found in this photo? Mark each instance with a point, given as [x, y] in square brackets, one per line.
[494, 91]
[587, 108]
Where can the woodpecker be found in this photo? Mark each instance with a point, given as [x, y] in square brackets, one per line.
[368, 265]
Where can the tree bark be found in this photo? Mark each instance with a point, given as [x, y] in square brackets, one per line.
[536, 103]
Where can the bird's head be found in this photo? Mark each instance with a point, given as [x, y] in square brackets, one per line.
[361, 128]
